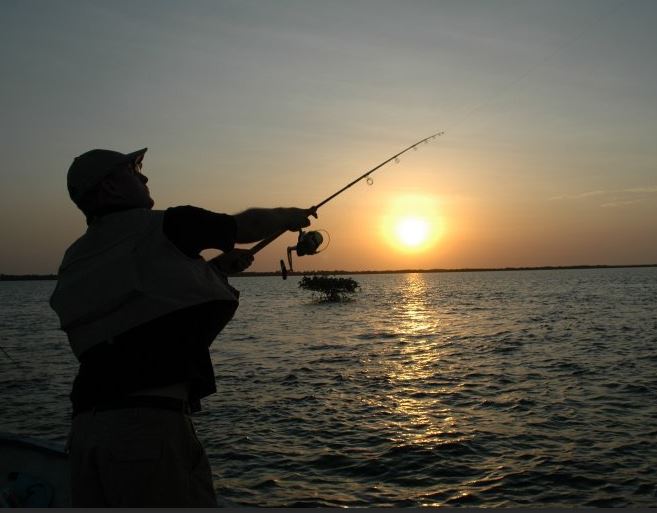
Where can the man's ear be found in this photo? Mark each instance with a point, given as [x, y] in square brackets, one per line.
[108, 189]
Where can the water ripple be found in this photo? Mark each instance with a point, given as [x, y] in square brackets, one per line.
[462, 389]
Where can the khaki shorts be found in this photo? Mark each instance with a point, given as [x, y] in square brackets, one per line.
[138, 457]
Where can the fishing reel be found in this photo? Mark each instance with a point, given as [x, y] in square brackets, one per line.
[308, 243]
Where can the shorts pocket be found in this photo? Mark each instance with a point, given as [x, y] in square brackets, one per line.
[133, 473]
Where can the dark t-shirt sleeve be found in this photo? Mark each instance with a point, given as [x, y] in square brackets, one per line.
[194, 229]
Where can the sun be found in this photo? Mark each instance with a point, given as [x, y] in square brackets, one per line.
[412, 223]
[412, 231]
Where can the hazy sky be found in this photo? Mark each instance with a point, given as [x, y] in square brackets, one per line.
[550, 109]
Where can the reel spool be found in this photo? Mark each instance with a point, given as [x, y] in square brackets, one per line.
[308, 243]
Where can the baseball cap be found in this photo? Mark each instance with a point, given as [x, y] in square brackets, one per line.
[91, 167]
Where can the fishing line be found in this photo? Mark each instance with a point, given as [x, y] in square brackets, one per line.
[10, 358]
[542, 62]
[265, 242]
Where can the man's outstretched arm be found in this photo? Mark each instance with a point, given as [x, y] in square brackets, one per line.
[256, 224]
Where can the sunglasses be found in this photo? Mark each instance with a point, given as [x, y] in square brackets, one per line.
[134, 167]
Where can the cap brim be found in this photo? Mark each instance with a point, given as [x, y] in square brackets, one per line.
[136, 155]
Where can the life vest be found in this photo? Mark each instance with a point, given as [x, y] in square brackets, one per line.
[124, 272]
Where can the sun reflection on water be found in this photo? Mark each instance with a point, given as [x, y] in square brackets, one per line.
[417, 318]
[421, 416]
[417, 328]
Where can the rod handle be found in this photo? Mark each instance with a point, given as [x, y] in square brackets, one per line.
[265, 242]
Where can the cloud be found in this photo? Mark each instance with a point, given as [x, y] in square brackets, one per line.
[618, 198]
[614, 204]
[579, 195]
[639, 190]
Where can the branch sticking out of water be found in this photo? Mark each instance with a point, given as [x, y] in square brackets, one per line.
[330, 288]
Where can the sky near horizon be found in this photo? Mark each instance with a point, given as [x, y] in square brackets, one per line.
[549, 108]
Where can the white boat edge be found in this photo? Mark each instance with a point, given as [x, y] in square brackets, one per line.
[44, 460]
[47, 461]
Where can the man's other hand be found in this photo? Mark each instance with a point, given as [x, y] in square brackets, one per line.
[233, 262]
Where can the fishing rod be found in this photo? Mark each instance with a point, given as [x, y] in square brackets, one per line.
[309, 242]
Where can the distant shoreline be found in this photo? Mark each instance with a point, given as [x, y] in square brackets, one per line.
[44, 277]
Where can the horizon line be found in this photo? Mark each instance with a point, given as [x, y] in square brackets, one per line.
[247, 274]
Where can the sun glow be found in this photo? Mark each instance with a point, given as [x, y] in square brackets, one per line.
[411, 224]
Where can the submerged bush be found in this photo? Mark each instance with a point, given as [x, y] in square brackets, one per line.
[329, 288]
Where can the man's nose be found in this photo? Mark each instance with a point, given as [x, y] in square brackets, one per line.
[143, 178]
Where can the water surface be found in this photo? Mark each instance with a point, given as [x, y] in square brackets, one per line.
[481, 389]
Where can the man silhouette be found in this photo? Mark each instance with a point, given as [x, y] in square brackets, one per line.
[141, 308]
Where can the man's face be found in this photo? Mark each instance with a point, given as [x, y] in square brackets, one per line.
[127, 186]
